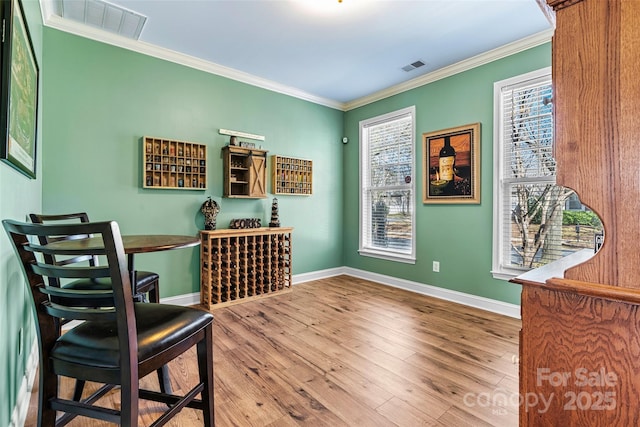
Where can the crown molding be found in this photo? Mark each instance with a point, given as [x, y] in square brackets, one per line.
[468, 64]
[54, 21]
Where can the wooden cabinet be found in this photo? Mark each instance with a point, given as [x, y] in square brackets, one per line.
[579, 362]
[245, 172]
[581, 327]
[291, 176]
[239, 265]
[172, 164]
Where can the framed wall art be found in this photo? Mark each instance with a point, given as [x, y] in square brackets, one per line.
[18, 92]
[451, 165]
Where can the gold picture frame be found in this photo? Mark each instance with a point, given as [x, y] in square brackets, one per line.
[451, 165]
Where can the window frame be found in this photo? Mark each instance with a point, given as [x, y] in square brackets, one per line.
[498, 270]
[364, 247]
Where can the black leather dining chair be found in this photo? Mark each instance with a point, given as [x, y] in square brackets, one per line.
[118, 341]
[146, 282]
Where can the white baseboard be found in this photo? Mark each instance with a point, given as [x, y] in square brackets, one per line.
[495, 306]
[184, 300]
[504, 308]
[507, 309]
[194, 298]
[19, 415]
[317, 275]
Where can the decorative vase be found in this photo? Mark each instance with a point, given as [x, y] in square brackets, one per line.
[210, 211]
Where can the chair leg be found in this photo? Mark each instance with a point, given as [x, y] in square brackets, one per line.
[163, 379]
[129, 398]
[77, 392]
[154, 293]
[205, 368]
[163, 373]
[48, 390]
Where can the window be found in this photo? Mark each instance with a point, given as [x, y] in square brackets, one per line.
[532, 223]
[387, 224]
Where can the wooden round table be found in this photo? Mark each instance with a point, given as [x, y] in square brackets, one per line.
[134, 244]
[143, 243]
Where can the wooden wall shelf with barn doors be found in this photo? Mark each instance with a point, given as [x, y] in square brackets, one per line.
[245, 172]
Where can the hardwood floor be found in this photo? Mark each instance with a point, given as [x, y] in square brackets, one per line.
[348, 352]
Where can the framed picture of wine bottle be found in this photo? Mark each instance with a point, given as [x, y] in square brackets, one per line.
[451, 165]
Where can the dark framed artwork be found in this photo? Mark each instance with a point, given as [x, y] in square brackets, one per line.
[451, 165]
[18, 91]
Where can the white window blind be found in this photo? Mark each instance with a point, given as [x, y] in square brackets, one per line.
[534, 202]
[387, 186]
[530, 208]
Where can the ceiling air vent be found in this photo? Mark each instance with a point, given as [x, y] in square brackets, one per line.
[413, 66]
[101, 14]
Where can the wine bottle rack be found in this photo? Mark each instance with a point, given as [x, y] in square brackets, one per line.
[291, 176]
[244, 264]
[172, 164]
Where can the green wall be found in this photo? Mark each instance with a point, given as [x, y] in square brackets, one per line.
[458, 236]
[100, 100]
[18, 196]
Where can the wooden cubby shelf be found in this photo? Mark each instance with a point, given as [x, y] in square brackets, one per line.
[172, 164]
[244, 264]
[245, 172]
[291, 176]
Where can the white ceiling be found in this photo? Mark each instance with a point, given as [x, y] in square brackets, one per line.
[339, 52]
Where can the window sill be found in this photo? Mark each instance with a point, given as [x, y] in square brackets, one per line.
[505, 275]
[553, 269]
[408, 259]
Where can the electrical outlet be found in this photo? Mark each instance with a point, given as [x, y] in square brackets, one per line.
[436, 266]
